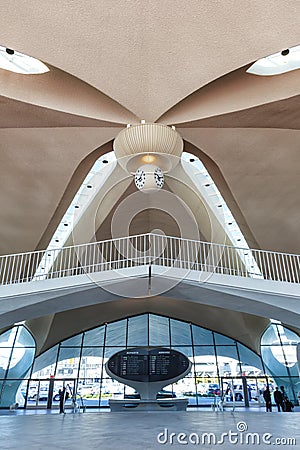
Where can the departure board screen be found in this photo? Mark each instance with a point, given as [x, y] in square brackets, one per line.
[130, 364]
[148, 364]
[134, 365]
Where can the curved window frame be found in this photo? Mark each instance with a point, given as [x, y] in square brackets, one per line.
[279, 355]
[17, 349]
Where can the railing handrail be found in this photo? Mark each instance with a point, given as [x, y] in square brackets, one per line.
[128, 251]
[233, 247]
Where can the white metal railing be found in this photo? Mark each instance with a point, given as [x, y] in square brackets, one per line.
[147, 249]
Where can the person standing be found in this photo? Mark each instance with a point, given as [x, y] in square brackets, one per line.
[278, 398]
[267, 398]
[62, 398]
[284, 398]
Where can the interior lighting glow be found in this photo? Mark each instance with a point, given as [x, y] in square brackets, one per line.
[148, 159]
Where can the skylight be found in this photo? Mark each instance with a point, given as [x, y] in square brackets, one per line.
[212, 196]
[19, 63]
[278, 63]
[94, 180]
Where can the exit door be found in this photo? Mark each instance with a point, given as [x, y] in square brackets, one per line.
[44, 393]
[243, 391]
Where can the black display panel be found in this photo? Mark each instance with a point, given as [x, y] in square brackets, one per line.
[148, 364]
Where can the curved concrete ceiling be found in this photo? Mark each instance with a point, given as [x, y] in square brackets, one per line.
[282, 114]
[261, 168]
[116, 63]
[63, 92]
[36, 169]
[134, 51]
[233, 92]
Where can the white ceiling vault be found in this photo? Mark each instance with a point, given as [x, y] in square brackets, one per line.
[113, 63]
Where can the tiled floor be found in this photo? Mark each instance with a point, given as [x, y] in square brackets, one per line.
[134, 430]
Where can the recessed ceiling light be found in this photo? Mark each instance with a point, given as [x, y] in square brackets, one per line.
[284, 61]
[192, 160]
[66, 224]
[89, 186]
[285, 52]
[19, 63]
[207, 185]
[76, 206]
[105, 161]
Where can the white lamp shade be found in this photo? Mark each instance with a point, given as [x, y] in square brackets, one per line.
[148, 143]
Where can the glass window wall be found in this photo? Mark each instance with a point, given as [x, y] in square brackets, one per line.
[213, 357]
[219, 363]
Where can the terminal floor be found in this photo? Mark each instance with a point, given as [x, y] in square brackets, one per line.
[39, 430]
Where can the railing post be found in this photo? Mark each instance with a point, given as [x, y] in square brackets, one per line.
[298, 269]
[291, 265]
[284, 268]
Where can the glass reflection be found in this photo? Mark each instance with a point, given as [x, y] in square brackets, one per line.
[138, 331]
[202, 336]
[94, 337]
[159, 331]
[279, 354]
[180, 333]
[116, 333]
[17, 350]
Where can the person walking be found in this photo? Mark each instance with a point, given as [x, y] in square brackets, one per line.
[278, 398]
[267, 398]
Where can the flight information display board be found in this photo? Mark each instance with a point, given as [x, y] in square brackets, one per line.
[134, 365]
[148, 364]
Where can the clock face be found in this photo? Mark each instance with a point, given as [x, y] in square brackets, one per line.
[149, 177]
[140, 178]
[159, 177]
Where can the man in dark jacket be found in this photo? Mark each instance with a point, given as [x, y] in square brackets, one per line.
[278, 398]
[267, 398]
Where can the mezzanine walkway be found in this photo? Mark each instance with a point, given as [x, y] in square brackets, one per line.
[150, 266]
